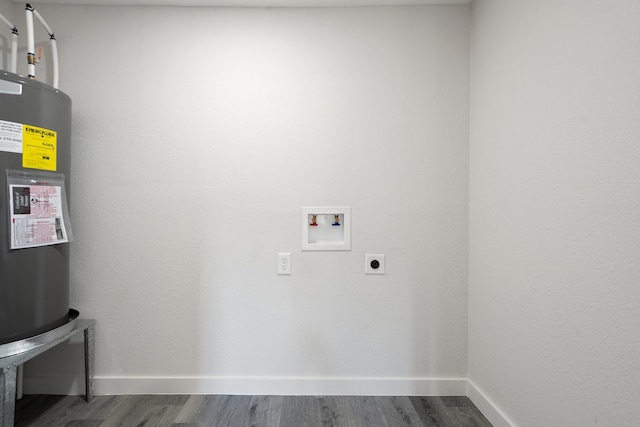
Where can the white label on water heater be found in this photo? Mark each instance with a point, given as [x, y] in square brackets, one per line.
[10, 136]
[36, 214]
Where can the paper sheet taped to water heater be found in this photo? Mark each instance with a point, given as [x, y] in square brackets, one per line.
[36, 216]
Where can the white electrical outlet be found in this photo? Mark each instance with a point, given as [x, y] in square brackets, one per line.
[284, 263]
[374, 264]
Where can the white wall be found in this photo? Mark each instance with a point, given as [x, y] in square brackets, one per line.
[554, 325]
[199, 133]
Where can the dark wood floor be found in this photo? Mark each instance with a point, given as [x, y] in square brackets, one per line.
[249, 411]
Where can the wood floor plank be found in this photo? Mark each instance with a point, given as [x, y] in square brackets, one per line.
[155, 416]
[372, 414]
[207, 414]
[331, 413]
[398, 411]
[432, 411]
[169, 415]
[351, 411]
[131, 412]
[190, 411]
[300, 411]
[144, 410]
[265, 411]
[224, 410]
[72, 408]
[232, 411]
[98, 409]
[463, 412]
[33, 406]
[164, 410]
[84, 423]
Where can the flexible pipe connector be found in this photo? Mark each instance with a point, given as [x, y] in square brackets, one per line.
[6, 21]
[31, 55]
[14, 50]
[14, 45]
[54, 47]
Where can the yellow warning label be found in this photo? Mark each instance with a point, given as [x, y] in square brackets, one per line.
[39, 148]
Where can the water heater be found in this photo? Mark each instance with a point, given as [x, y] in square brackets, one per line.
[34, 280]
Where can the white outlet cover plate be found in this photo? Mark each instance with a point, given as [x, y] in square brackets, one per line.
[367, 264]
[284, 263]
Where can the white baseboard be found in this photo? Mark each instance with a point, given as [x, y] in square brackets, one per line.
[252, 385]
[487, 407]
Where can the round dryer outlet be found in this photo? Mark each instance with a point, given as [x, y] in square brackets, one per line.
[374, 264]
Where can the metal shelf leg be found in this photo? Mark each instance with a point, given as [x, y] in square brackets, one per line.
[8, 388]
[88, 361]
